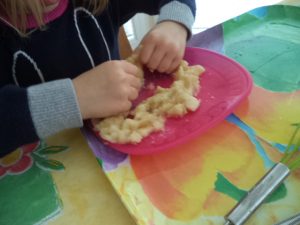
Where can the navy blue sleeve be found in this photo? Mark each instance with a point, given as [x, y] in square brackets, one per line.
[16, 126]
[123, 10]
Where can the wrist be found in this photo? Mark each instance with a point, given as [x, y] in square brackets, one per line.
[178, 12]
[176, 27]
[53, 107]
[78, 89]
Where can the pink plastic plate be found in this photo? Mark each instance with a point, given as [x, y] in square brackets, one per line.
[224, 84]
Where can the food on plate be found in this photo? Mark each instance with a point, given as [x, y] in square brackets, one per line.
[150, 115]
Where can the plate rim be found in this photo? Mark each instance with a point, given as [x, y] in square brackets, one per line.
[192, 135]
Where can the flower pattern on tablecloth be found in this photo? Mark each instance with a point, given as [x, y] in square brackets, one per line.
[23, 158]
[18, 161]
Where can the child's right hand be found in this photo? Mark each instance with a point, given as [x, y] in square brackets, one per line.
[107, 89]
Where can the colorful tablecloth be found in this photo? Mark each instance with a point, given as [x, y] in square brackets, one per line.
[59, 181]
[200, 181]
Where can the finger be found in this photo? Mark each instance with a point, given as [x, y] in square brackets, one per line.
[174, 65]
[165, 63]
[156, 58]
[125, 105]
[130, 68]
[133, 94]
[135, 82]
[146, 52]
[134, 70]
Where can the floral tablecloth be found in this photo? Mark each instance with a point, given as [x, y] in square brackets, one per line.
[61, 181]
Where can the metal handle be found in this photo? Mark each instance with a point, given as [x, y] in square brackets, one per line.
[257, 195]
[294, 220]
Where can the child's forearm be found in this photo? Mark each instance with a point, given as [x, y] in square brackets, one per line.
[178, 12]
[36, 112]
[53, 107]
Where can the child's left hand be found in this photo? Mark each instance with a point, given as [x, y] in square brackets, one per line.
[163, 46]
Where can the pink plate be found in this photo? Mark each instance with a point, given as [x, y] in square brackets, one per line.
[224, 84]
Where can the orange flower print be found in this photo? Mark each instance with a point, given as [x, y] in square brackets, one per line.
[23, 158]
[19, 161]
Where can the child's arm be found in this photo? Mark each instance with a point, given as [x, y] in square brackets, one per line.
[181, 11]
[14, 118]
[163, 47]
[29, 114]
[108, 89]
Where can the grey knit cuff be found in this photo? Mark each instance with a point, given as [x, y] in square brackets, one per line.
[54, 107]
[179, 12]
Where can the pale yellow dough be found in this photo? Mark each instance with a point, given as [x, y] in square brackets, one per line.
[150, 115]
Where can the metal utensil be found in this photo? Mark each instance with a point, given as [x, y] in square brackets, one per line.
[294, 220]
[257, 195]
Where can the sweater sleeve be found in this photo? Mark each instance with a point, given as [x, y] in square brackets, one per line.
[181, 11]
[39, 111]
[16, 125]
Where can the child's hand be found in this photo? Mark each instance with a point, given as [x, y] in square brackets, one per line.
[163, 47]
[107, 89]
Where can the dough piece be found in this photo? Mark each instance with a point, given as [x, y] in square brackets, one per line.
[150, 115]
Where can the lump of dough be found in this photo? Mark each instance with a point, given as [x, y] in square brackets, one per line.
[150, 115]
